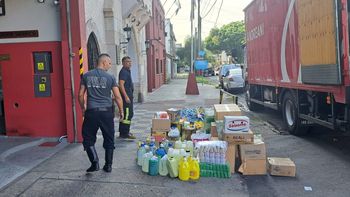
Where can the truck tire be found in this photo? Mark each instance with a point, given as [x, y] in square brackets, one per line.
[251, 105]
[291, 115]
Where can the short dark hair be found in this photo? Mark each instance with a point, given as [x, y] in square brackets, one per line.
[125, 58]
[101, 57]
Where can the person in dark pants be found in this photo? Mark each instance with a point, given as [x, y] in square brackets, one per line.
[126, 88]
[99, 114]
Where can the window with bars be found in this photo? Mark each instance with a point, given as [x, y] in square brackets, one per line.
[93, 51]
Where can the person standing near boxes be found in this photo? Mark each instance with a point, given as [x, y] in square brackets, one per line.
[98, 113]
[126, 88]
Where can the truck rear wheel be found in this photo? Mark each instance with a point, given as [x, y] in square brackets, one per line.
[291, 115]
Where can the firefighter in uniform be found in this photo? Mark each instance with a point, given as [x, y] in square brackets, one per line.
[126, 88]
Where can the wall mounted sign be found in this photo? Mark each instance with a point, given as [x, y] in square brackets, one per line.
[2, 7]
[19, 34]
[4, 57]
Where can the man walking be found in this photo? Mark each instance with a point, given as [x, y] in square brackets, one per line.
[126, 88]
[98, 85]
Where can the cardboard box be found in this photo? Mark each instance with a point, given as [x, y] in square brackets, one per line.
[159, 135]
[281, 166]
[231, 156]
[257, 150]
[253, 167]
[213, 131]
[160, 124]
[239, 137]
[234, 124]
[222, 110]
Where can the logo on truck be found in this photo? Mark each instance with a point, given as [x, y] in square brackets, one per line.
[255, 33]
[237, 125]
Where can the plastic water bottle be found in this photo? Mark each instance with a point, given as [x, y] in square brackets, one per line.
[153, 166]
[140, 153]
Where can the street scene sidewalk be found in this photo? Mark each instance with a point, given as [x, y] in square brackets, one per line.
[64, 173]
[319, 166]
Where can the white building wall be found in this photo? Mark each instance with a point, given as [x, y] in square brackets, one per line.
[104, 18]
[107, 18]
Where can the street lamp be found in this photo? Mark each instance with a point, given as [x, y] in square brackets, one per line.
[127, 30]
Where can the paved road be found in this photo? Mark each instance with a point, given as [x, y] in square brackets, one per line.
[322, 160]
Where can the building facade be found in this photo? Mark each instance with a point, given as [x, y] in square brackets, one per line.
[155, 45]
[43, 58]
[170, 45]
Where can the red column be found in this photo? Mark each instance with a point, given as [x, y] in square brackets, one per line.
[77, 20]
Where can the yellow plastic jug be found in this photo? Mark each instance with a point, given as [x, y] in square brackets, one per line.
[194, 169]
[184, 170]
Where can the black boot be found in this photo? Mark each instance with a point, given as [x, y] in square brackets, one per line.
[109, 160]
[92, 154]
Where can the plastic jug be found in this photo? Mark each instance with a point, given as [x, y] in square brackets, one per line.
[152, 148]
[163, 169]
[172, 166]
[178, 144]
[194, 169]
[140, 152]
[153, 166]
[145, 161]
[184, 170]
[189, 147]
[160, 151]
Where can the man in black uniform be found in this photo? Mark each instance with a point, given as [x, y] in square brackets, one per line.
[98, 85]
[126, 88]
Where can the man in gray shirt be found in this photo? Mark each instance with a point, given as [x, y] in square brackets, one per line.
[98, 84]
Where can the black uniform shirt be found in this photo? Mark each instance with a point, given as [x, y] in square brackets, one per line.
[125, 75]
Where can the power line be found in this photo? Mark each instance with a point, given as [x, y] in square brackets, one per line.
[205, 7]
[170, 7]
[164, 2]
[222, 1]
[211, 8]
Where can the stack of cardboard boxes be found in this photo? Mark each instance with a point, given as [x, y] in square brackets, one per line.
[250, 149]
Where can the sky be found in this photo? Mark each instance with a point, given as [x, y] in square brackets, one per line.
[231, 10]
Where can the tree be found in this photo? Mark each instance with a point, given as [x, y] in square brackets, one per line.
[229, 38]
[184, 53]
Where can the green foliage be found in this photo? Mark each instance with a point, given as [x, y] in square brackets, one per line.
[227, 38]
[184, 53]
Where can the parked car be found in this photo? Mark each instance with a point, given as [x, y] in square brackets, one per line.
[234, 80]
[224, 69]
[208, 72]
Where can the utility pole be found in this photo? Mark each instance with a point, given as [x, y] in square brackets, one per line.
[199, 28]
[192, 16]
[192, 88]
